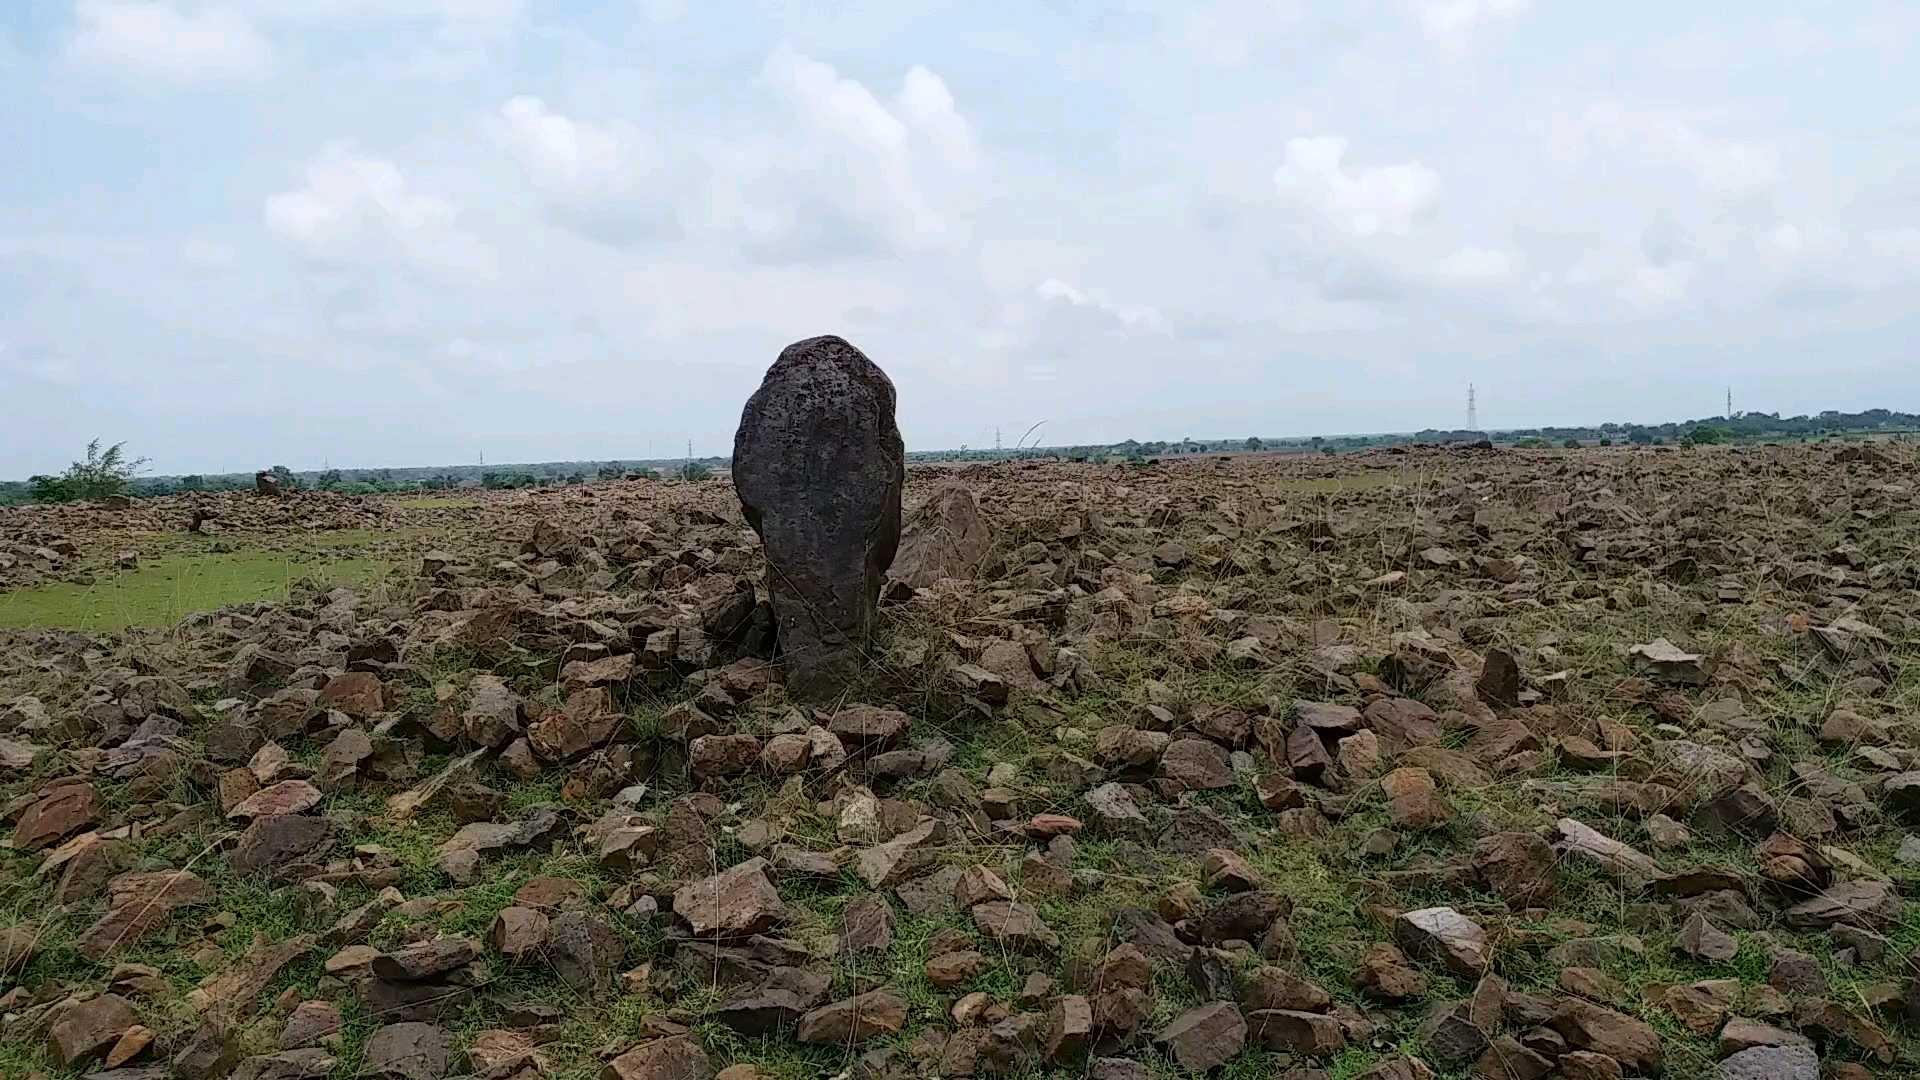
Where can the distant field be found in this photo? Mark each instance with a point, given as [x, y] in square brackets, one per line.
[1327, 485]
[170, 587]
[436, 502]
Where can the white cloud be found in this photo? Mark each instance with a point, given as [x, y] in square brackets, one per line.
[1131, 317]
[857, 172]
[1475, 264]
[563, 157]
[1364, 201]
[928, 108]
[1720, 165]
[1232, 32]
[155, 38]
[357, 208]
[1452, 22]
[482, 13]
[1900, 245]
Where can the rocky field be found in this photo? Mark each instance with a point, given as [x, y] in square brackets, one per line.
[1508, 764]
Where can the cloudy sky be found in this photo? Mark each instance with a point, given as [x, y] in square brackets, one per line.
[366, 232]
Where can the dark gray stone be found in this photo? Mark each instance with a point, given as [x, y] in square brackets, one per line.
[819, 467]
[1771, 1063]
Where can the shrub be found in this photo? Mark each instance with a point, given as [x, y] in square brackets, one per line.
[693, 470]
[103, 473]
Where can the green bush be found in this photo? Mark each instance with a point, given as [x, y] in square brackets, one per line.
[102, 474]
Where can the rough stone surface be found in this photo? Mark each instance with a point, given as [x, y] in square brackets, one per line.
[1771, 1063]
[1444, 933]
[678, 1057]
[736, 902]
[1205, 1037]
[944, 537]
[89, 1029]
[819, 468]
[855, 1020]
[409, 1051]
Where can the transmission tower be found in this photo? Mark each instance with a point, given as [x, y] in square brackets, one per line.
[1729, 402]
[996, 438]
[1473, 410]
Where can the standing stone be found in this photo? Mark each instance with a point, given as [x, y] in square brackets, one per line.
[819, 466]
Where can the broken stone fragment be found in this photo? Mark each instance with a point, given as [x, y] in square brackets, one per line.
[855, 1020]
[736, 902]
[1444, 933]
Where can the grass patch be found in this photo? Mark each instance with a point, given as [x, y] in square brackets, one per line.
[166, 589]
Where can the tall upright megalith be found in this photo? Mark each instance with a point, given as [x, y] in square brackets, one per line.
[819, 465]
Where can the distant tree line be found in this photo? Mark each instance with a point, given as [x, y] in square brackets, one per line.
[105, 472]
[87, 482]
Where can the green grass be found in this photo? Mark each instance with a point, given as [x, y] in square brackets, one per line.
[166, 589]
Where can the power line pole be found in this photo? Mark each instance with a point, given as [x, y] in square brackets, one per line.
[1729, 402]
[996, 438]
[1473, 410]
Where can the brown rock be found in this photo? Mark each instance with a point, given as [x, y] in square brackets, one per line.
[1413, 799]
[518, 931]
[866, 925]
[1702, 1005]
[1702, 940]
[425, 960]
[234, 993]
[869, 728]
[855, 1020]
[407, 1051]
[945, 537]
[1518, 867]
[737, 902]
[588, 719]
[1442, 932]
[1506, 1059]
[272, 842]
[1205, 1037]
[678, 1057]
[1016, 926]
[949, 970]
[309, 1023]
[59, 813]
[1275, 988]
[1069, 1030]
[1385, 974]
[356, 693]
[1587, 1026]
[89, 1029]
[1197, 764]
[1297, 1032]
[1499, 681]
[139, 904]
[723, 755]
[285, 797]
[977, 885]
